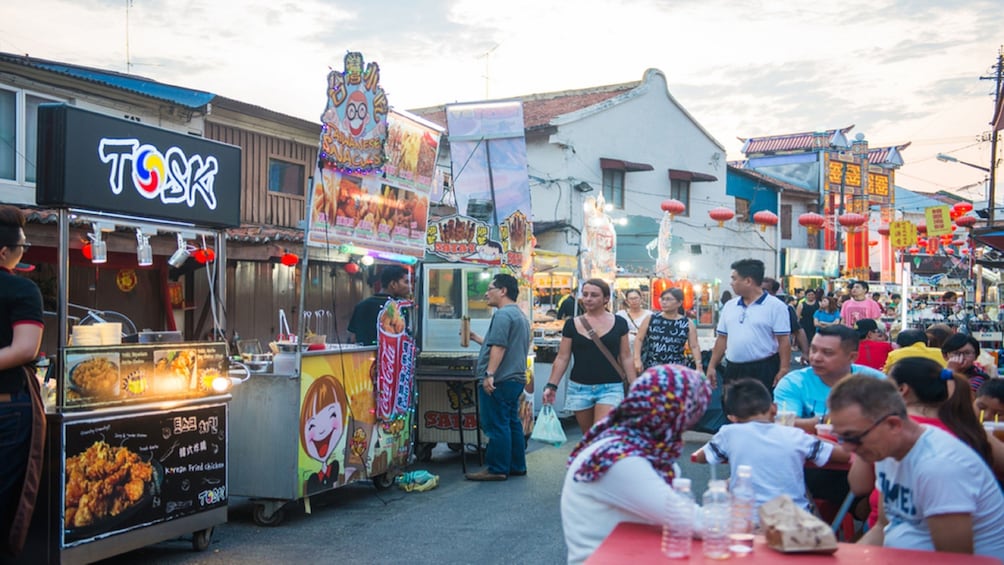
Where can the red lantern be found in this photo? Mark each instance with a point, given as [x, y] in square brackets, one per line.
[884, 229]
[86, 251]
[812, 221]
[966, 221]
[289, 259]
[351, 268]
[914, 249]
[961, 208]
[921, 228]
[721, 215]
[658, 287]
[210, 255]
[852, 220]
[949, 251]
[673, 207]
[964, 251]
[688, 294]
[200, 256]
[872, 242]
[922, 241]
[764, 218]
[946, 239]
[958, 242]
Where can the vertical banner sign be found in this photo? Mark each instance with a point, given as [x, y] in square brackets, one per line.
[665, 244]
[938, 221]
[599, 259]
[902, 234]
[491, 186]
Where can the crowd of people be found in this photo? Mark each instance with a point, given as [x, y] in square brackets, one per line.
[903, 414]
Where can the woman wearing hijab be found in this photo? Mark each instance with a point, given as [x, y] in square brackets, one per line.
[622, 469]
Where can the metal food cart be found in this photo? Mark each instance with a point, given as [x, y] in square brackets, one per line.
[136, 447]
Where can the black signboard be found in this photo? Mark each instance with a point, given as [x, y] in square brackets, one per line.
[97, 162]
[126, 472]
[930, 264]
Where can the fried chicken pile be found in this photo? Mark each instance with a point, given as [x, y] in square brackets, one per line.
[103, 481]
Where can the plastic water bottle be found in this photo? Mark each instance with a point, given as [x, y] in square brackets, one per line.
[743, 519]
[717, 514]
[678, 528]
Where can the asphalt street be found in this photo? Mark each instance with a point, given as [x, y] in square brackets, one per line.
[515, 521]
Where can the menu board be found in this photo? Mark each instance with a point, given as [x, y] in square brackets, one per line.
[126, 472]
[133, 374]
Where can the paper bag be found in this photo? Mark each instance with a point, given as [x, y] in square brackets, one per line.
[791, 529]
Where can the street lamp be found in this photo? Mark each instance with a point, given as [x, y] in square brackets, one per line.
[991, 197]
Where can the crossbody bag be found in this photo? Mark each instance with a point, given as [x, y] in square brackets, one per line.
[606, 352]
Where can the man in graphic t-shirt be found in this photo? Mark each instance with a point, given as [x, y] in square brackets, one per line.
[860, 306]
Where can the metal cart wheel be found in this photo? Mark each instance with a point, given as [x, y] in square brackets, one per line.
[263, 518]
[456, 447]
[384, 481]
[423, 451]
[201, 539]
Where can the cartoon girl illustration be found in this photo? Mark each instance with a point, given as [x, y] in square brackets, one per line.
[323, 419]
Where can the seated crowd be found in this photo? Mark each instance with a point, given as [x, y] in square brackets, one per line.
[906, 440]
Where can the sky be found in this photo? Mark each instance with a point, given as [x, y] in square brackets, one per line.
[900, 71]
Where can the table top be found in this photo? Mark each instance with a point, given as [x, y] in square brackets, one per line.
[639, 543]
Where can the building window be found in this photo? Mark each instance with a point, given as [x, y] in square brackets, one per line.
[613, 187]
[742, 210]
[285, 177]
[680, 190]
[19, 135]
[785, 221]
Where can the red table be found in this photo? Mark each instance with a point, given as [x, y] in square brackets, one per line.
[639, 543]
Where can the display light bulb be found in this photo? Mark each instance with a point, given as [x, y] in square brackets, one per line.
[99, 249]
[181, 255]
[144, 252]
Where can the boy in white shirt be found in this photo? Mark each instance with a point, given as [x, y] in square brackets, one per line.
[776, 453]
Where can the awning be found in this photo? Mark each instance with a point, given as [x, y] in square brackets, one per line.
[680, 174]
[626, 166]
[991, 236]
[549, 261]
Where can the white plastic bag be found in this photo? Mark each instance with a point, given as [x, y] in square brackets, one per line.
[548, 428]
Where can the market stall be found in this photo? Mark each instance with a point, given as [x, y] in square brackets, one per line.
[137, 425]
[339, 413]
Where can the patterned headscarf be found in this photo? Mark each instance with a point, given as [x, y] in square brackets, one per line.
[649, 422]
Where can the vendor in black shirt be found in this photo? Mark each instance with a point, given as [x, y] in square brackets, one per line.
[395, 282]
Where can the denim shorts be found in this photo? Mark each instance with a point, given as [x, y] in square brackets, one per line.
[583, 397]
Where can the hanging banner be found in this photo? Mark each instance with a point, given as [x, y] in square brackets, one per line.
[938, 220]
[490, 180]
[367, 211]
[412, 150]
[599, 258]
[354, 123]
[665, 244]
[460, 239]
[902, 234]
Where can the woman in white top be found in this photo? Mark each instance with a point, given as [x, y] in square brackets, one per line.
[622, 469]
[634, 314]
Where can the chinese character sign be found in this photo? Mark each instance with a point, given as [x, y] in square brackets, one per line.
[938, 220]
[902, 234]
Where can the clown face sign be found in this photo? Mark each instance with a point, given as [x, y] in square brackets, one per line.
[354, 123]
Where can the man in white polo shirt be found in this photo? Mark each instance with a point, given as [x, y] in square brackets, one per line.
[753, 330]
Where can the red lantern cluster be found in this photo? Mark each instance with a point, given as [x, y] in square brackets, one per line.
[289, 259]
[765, 218]
[966, 221]
[721, 215]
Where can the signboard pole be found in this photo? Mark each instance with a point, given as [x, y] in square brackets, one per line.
[905, 293]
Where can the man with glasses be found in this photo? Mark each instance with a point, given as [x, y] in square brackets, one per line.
[935, 493]
[20, 403]
[502, 366]
[753, 330]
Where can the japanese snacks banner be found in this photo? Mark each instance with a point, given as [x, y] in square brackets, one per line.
[126, 472]
[341, 440]
[354, 122]
[367, 211]
[490, 180]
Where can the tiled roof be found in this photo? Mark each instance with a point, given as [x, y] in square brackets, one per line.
[880, 155]
[540, 109]
[802, 141]
[186, 97]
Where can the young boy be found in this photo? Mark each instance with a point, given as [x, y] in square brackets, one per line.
[776, 453]
[990, 401]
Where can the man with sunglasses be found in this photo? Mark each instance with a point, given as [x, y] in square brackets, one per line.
[935, 492]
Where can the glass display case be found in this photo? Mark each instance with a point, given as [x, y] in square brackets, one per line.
[452, 292]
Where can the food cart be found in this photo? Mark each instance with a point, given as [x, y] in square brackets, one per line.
[137, 432]
[340, 413]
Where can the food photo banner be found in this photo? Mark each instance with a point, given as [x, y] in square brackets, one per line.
[97, 162]
[127, 472]
[490, 180]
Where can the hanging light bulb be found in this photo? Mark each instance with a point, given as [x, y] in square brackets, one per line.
[99, 249]
[181, 255]
[144, 252]
[366, 260]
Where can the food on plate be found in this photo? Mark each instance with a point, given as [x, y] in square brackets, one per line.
[102, 482]
[95, 376]
[790, 529]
